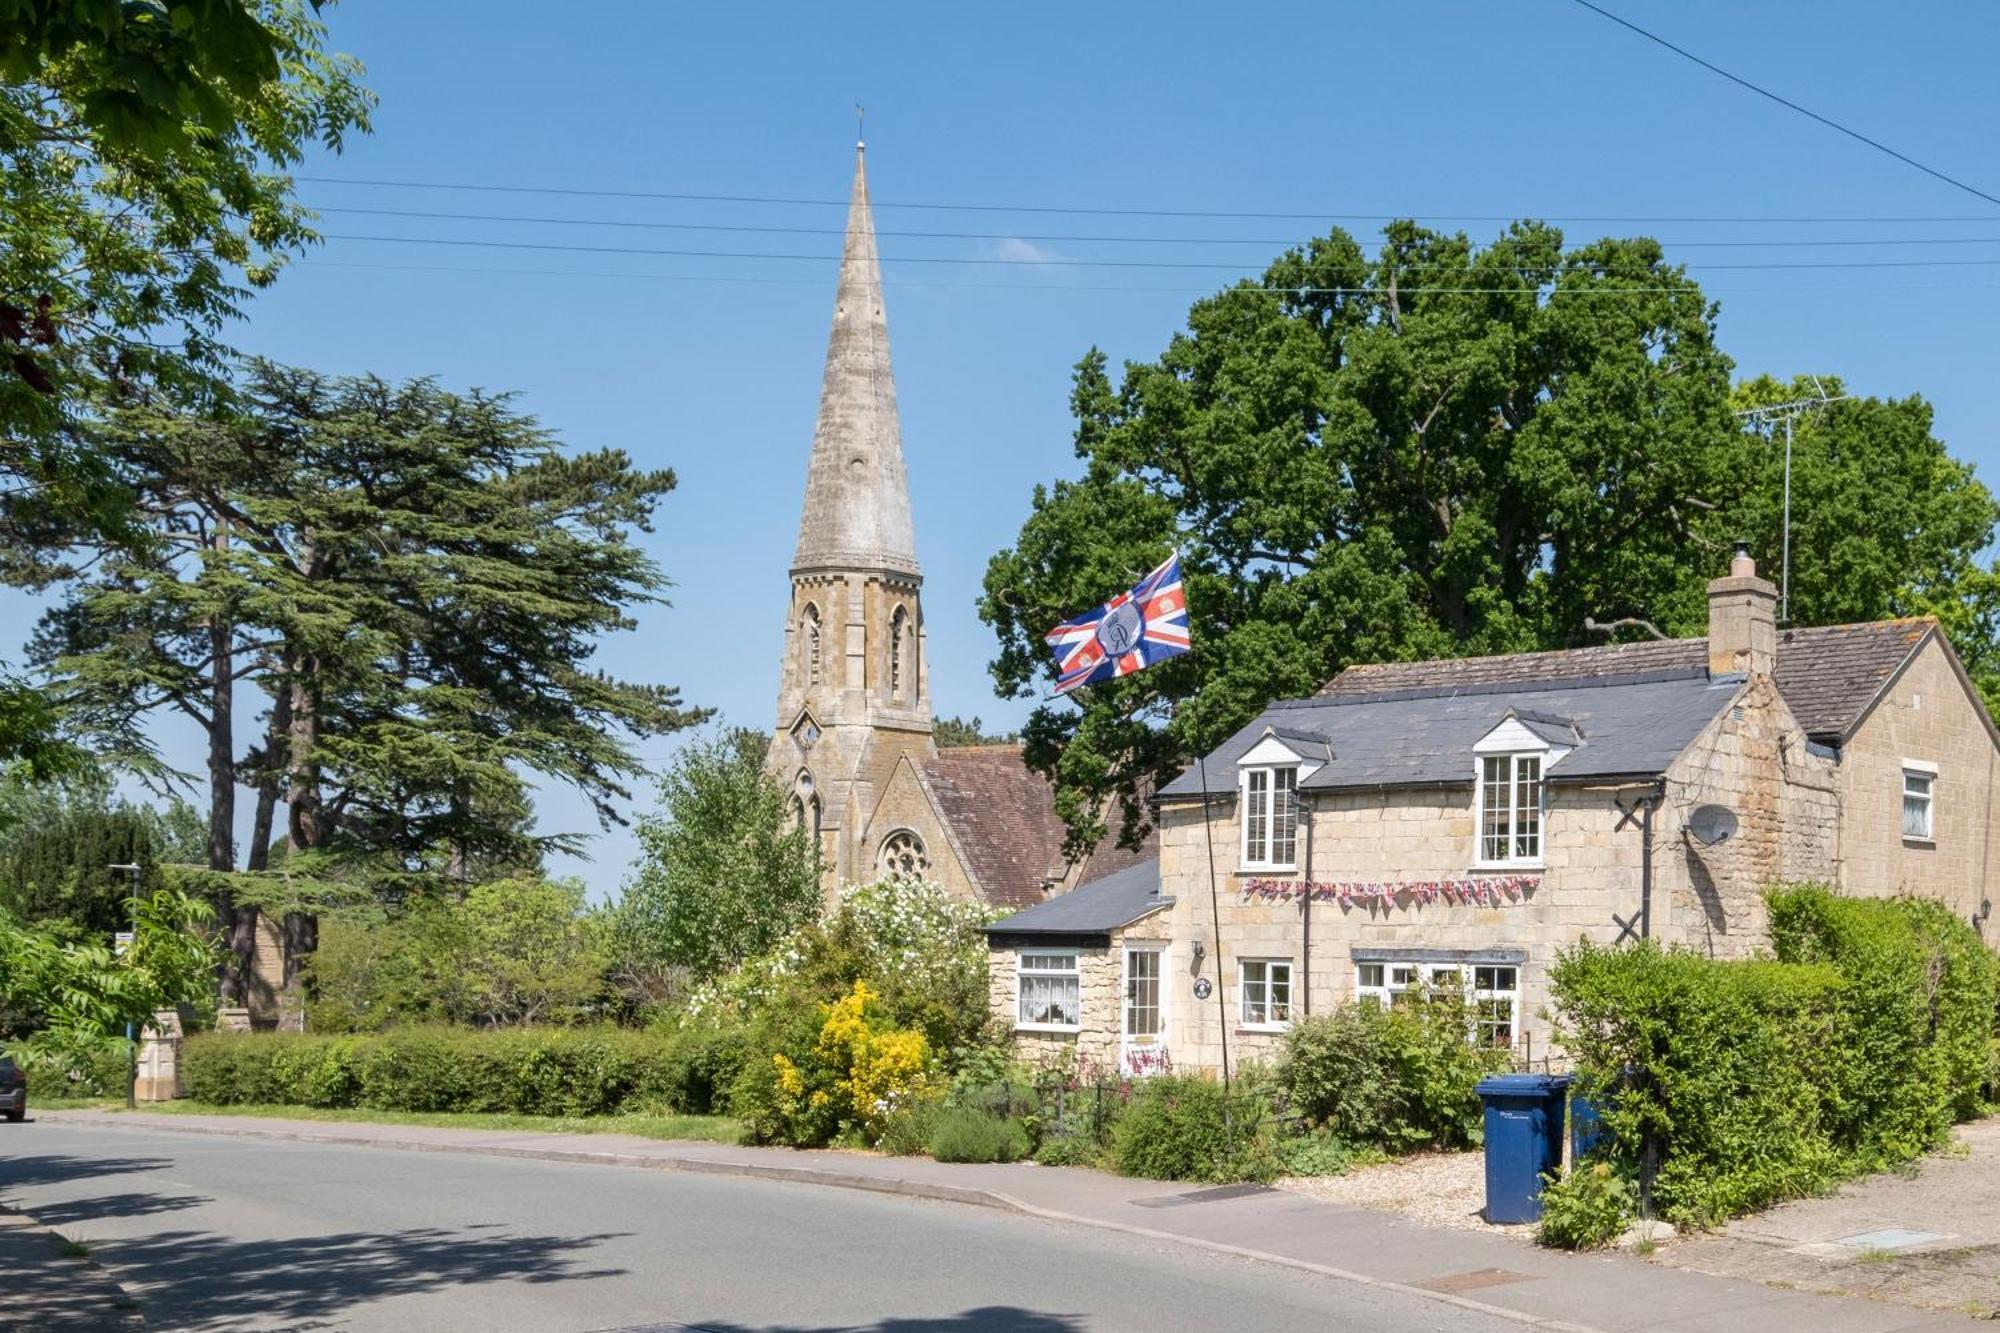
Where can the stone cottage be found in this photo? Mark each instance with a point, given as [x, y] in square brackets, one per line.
[1456, 823]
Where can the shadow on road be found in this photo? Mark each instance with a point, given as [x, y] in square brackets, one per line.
[985, 1319]
[197, 1279]
[63, 1212]
[55, 1168]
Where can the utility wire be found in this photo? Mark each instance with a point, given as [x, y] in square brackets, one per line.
[1051, 262]
[726, 279]
[1787, 103]
[880, 204]
[1054, 238]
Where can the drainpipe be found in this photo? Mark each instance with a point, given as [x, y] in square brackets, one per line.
[1647, 804]
[1306, 913]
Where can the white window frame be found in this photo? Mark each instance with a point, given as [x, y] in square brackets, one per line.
[1382, 979]
[1261, 812]
[1243, 984]
[1073, 972]
[1926, 773]
[1159, 950]
[1477, 995]
[1513, 860]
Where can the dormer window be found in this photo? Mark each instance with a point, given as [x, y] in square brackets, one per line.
[1268, 777]
[1270, 817]
[1510, 764]
[1510, 809]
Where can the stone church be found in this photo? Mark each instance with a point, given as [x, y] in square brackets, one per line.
[854, 741]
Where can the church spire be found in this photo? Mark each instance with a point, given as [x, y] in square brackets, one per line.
[857, 507]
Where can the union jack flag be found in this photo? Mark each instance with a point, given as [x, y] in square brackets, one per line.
[1128, 633]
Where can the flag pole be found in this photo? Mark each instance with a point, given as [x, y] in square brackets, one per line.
[1215, 916]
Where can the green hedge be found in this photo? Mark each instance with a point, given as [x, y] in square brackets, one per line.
[532, 1071]
[1400, 1079]
[1743, 1083]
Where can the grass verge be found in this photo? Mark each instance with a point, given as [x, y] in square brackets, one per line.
[705, 1128]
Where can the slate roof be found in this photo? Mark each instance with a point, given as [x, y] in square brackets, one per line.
[1635, 705]
[1095, 909]
[1629, 728]
[1829, 674]
[1002, 815]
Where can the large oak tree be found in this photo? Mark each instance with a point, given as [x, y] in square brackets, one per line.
[1439, 449]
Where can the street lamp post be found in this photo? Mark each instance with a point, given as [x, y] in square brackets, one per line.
[131, 870]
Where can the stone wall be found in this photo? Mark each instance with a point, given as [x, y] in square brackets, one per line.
[1101, 967]
[1752, 758]
[1927, 715]
[905, 805]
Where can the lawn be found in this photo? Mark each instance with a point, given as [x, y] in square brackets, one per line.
[708, 1128]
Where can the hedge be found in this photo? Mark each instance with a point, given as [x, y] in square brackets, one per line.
[532, 1071]
[1736, 1084]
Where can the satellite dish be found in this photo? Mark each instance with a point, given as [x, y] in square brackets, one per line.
[1711, 824]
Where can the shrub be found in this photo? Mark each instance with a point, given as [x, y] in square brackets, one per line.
[856, 1074]
[906, 1131]
[530, 1071]
[1315, 1153]
[1399, 1078]
[1753, 1081]
[699, 1065]
[1586, 1209]
[967, 1134]
[1185, 1127]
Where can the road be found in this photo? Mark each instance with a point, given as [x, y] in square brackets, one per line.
[229, 1234]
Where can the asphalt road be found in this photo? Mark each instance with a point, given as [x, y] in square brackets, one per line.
[227, 1234]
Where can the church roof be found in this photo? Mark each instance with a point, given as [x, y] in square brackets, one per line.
[1002, 816]
[857, 504]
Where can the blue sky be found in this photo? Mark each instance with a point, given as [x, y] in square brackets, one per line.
[1439, 110]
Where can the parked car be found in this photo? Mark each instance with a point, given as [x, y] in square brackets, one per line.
[13, 1090]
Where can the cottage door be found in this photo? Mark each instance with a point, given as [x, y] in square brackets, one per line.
[1143, 1041]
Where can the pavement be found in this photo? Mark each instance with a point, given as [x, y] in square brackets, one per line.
[1459, 1279]
[1928, 1237]
[47, 1287]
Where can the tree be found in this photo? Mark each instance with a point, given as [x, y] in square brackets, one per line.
[953, 732]
[1442, 450]
[1885, 522]
[1439, 450]
[58, 840]
[415, 578]
[142, 157]
[726, 869]
[67, 999]
[508, 953]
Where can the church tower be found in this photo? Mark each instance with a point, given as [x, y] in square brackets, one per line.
[854, 694]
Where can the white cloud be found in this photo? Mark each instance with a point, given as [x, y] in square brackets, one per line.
[1017, 251]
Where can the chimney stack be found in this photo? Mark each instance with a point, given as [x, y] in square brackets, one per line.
[1742, 620]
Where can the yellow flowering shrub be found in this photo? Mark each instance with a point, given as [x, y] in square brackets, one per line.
[856, 1075]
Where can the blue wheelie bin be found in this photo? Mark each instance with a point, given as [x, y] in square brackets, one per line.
[1524, 1141]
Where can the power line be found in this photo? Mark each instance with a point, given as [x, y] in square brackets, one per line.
[1052, 261]
[1328, 216]
[1067, 238]
[726, 279]
[1787, 103]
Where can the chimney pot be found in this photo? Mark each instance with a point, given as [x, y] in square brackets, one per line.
[1742, 620]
